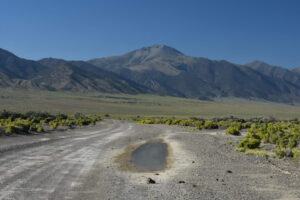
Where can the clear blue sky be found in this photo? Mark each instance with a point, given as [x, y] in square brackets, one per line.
[236, 30]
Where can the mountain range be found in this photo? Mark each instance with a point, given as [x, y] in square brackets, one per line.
[158, 69]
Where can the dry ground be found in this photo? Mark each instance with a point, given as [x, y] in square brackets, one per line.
[84, 164]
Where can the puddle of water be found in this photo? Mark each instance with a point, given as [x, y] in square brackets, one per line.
[151, 156]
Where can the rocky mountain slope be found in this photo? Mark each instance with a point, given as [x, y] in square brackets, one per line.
[157, 69]
[296, 70]
[55, 74]
[169, 72]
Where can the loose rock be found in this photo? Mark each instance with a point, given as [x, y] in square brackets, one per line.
[150, 181]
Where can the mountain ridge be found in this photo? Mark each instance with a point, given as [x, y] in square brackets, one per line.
[158, 69]
[58, 74]
[198, 77]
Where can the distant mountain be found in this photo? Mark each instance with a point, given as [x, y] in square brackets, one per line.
[15, 67]
[157, 69]
[55, 74]
[296, 70]
[275, 72]
[169, 72]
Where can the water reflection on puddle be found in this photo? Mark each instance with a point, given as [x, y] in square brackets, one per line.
[151, 156]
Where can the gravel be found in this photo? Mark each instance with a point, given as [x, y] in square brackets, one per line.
[86, 164]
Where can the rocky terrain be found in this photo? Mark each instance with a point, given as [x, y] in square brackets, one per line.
[86, 164]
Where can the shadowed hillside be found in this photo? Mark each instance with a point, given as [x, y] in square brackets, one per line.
[169, 72]
[157, 69]
[55, 74]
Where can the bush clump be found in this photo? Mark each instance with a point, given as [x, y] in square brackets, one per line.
[19, 123]
[248, 143]
[40, 129]
[232, 130]
[210, 125]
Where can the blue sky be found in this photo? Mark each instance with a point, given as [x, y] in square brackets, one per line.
[235, 30]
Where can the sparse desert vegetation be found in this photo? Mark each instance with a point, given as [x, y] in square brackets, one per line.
[283, 137]
[37, 122]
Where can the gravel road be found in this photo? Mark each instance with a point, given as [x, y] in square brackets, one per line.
[90, 163]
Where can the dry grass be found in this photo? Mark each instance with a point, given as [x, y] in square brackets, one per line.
[143, 105]
[258, 152]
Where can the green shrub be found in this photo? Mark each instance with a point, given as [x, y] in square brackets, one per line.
[224, 124]
[11, 129]
[40, 129]
[70, 124]
[246, 125]
[53, 125]
[93, 122]
[168, 122]
[25, 126]
[33, 127]
[249, 143]
[210, 125]
[232, 130]
[240, 149]
[279, 152]
[253, 143]
[296, 154]
[237, 125]
[199, 125]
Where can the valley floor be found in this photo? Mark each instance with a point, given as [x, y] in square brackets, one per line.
[85, 164]
[125, 105]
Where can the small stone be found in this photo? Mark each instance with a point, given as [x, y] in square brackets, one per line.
[194, 185]
[229, 171]
[150, 181]
[193, 162]
[156, 174]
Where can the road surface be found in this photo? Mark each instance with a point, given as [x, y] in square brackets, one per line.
[90, 163]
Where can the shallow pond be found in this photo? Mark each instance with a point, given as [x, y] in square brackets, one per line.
[151, 156]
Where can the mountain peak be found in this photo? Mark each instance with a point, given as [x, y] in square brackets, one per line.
[147, 53]
[161, 49]
[256, 63]
[49, 62]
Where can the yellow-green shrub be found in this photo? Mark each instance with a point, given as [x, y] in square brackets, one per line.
[210, 125]
[232, 130]
[40, 129]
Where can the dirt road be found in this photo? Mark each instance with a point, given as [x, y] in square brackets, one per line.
[91, 163]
